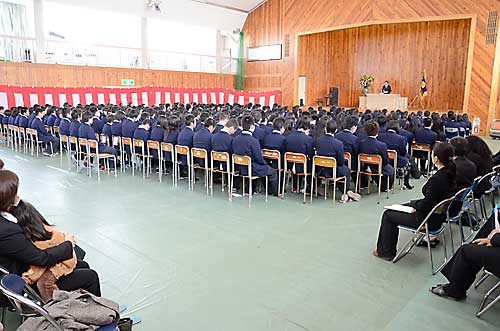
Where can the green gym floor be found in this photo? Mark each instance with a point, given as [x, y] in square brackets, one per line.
[184, 261]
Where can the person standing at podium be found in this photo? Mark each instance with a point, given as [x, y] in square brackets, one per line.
[386, 88]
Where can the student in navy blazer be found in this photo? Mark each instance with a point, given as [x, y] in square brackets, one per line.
[86, 131]
[223, 141]
[349, 139]
[223, 117]
[203, 139]
[143, 132]
[299, 141]
[246, 144]
[97, 123]
[327, 145]
[185, 138]
[276, 140]
[32, 117]
[425, 135]
[23, 118]
[372, 146]
[106, 129]
[43, 135]
[396, 142]
[260, 131]
[76, 117]
[129, 126]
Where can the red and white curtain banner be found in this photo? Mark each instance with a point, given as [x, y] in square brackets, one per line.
[27, 96]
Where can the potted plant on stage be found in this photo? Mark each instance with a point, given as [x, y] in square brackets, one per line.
[366, 81]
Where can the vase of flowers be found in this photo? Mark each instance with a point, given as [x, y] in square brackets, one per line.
[366, 81]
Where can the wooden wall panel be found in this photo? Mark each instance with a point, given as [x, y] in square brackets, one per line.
[307, 16]
[394, 52]
[62, 75]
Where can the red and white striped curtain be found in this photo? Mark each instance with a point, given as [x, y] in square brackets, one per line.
[26, 96]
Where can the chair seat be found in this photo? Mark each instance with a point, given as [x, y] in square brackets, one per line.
[102, 155]
[110, 327]
[410, 229]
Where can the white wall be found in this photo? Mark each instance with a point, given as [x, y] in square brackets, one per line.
[184, 11]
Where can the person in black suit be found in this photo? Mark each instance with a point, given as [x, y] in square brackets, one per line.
[17, 252]
[466, 169]
[468, 260]
[386, 88]
[439, 187]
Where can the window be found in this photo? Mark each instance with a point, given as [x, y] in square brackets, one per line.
[264, 53]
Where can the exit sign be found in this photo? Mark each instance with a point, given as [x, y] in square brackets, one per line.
[128, 82]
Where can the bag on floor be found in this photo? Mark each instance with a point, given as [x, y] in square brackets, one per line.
[414, 170]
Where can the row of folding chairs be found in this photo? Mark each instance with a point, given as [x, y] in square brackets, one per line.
[21, 139]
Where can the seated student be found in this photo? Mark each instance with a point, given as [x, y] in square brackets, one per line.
[143, 132]
[43, 135]
[203, 139]
[185, 138]
[425, 135]
[372, 146]
[327, 145]
[17, 252]
[74, 127]
[23, 118]
[31, 116]
[116, 126]
[97, 123]
[223, 140]
[172, 130]
[50, 117]
[58, 113]
[246, 144]
[65, 122]
[439, 187]
[451, 126]
[260, 131]
[480, 154]
[466, 169]
[106, 129]
[349, 140]
[223, 117]
[299, 141]
[13, 116]
[43, 235]
[467, 262]
[276, 140]
[201, 123]
[397, 143]
[130, 124]
[86, 131]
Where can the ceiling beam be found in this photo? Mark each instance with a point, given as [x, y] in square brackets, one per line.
[221, 6]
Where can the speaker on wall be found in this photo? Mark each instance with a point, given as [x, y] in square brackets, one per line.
[333, 97]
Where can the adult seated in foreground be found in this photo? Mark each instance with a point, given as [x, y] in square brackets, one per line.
[466, 169]
[468, 260]
[439, 187]
[17, 252]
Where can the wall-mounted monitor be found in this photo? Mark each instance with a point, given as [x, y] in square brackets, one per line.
[264, 53]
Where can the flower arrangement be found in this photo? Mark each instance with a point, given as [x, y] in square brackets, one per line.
[366, 81]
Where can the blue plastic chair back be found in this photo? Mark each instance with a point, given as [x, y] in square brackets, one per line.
[14, 283]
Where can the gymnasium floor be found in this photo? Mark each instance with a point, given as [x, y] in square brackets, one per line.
[184, 261]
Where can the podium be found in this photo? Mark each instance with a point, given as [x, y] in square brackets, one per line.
[383, 101]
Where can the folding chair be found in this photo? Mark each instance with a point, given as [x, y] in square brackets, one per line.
[48, 129]
[423, 148]
[127, 142]
[393, 156]
[295, 159]
[483, 307]
[138, 153]
[15, 137]
[74, 150]
[83, 150]
[221, 158]
[35, 143]
[422, 231]
[184, 151]
[93, 152]
[243, 161]
[462, 202]
[56, 131]
[200, 154]
[28, 304]
[153, 145]
[330, 163]
[64, 141]
[273, 158]
[370, 160]
[22, 139]
[10, 136]
[168, 148]
[117, 143]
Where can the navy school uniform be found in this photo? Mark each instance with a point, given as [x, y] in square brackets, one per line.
[31, 118]
[375, 147]
[128, 128]
[408, 136]
[88, 132]
[452, 129]
[275, 141]
[425, 136]
[116, 128]
[203, 139]
[64, 127]
[5, 120]
[246, 144]
[185, 138]
[327, 145]
[259, 133]
[171, 138]
[11, 120]
[441, 136]
[396, 142]
[23, 121]
[199, 126]
[106, 130]
[98, 125]
[50, 120]
[222, 142]
[218, 128]
[73, 128]
[16, 120]
[157, 134]
[43, 135]
[144, 135]
[57, 122]
[351, 144]
[298, 142]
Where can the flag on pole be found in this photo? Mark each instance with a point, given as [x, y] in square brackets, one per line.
[423, 85]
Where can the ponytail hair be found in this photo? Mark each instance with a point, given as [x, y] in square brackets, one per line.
[31, 221]
[445, 152]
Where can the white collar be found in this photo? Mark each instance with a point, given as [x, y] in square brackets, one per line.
[246, 132]
[276, 131]
[330, 134]
[9, 217]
